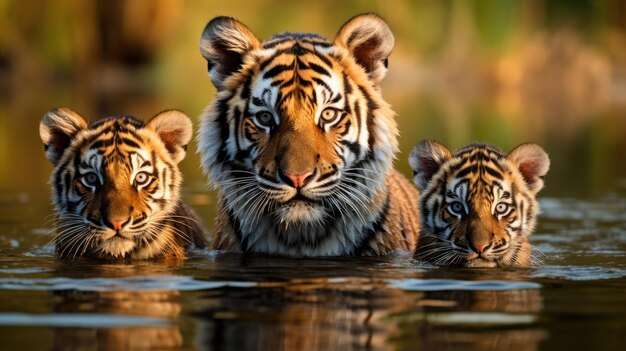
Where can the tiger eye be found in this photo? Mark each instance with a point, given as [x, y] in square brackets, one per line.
[142, 178]
[329, 115]
[502, 208]
[91, 179]
[265, 118]
[457, 207]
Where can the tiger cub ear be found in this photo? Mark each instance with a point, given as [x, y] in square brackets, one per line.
[426, 159]
[223, 43]
[175, 130]
[370, 41]
[533, 164]
[56, 130]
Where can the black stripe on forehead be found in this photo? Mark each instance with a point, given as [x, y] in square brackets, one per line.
[278, 69]
[125, 119]
[481, 159]
[296, 35]
[296, 50]
[478, 167]
[467, 170]
[319, 69]
[323, 84]
[117, 130]
[112, 138]
[486, 149]
[128, 141]
[309, 38]
[492, 169]
[296, 66]
[480, 175]
[102, 143]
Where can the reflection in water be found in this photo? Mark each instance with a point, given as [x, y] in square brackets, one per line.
[236, 302]
[360, 312]
[314, 314]
[477, 320]
[149, 303]
[523, 339]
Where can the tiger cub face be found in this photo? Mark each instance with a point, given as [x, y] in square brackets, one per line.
[114, 181]
[298, 131]
[477, 204]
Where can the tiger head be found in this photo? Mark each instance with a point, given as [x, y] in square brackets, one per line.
[114, 181]
[477, 205]
[298, 131]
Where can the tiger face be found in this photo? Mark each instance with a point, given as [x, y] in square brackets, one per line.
[298, 132]
[115, 182]
[477, 205]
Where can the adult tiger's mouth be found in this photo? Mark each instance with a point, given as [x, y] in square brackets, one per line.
[301, 209]
[480, 262]
[302, 198]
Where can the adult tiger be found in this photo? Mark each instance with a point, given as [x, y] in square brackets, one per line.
[115, 185]
[300, 142]
[477, 204]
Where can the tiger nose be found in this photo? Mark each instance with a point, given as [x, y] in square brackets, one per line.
[116, 223]
[479, 247]
[298, 180]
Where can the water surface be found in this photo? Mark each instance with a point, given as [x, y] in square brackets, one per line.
[232, 302]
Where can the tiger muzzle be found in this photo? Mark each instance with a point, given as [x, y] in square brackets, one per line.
[297, 160]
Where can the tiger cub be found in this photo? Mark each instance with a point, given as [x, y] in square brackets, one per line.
[116, 185]
[300, 143]
[477, 204]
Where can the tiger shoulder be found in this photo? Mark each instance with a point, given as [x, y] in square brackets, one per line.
[300, 143]
[116, 186]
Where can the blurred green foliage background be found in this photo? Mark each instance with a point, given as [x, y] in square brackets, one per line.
[504, 72]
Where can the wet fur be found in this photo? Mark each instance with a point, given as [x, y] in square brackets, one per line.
[113, 152]
[477, 205]
[353, 203]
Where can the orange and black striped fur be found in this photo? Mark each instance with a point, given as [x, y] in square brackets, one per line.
[116, 185]
[300, 143]
[477, 205]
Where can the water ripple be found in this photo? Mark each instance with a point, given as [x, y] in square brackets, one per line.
[453, 284]
[78, 320]
[609, 209]
[24, 270]
[180, 283]
[478, 318]
[579, 273]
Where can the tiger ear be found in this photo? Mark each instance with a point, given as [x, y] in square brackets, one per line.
[56, 130]
[175, 130]
[533, 164]
[426, 159]
[223, 43]
[370, 41]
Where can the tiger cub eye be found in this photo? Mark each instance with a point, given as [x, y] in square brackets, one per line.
[264, 118]
[502, 208]
[91, 179]
[456, 208]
